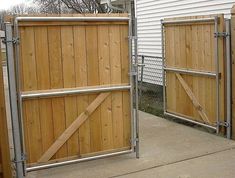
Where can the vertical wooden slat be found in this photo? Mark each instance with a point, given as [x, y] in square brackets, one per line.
[31, 107]
[195, 57]
[43, 77]
[116, 78]
[188, 38]
[177, 60]
[208, 83]
[233, 69]
[104, 67]
[81, 80]
[183, 64]
[69, 82]
[93, 79]
[5, 161]
[201, 66]
[170, 77]
[56, 79]
[125, 79]
[213, 82]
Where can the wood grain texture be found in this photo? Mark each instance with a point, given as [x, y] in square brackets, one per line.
[72, 128]
[5, 161]
[57, 56]
[191, 47]
[233, 69]
[116, 77]
[105, 78]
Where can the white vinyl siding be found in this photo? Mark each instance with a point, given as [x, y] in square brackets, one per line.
[149, 14]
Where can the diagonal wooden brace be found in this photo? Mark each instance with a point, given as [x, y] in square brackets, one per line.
[193, 98]
[73, 128]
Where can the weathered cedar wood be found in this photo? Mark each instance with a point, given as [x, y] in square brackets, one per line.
[5, 162]
[191, 46]
[233, 69]
[57, 56]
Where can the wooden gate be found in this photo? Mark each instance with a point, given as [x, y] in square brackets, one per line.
[74, 88]
[194, 69]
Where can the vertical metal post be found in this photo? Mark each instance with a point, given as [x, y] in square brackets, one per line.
[136, 90]
[141, 79]
[163, 66]
[229, 81]
[18, 82]
[19, 156]
[131, 83]
[217, 76]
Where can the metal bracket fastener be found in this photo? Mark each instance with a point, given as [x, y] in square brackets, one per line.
[23, 159]
[224, 124]
[221, 34]
[133, 37]
[133, 73]
[14, 40]
[139, 65]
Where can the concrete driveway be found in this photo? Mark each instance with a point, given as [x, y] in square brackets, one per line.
[168, 150]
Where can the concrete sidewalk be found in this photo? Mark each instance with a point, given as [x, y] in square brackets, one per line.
[168, 150]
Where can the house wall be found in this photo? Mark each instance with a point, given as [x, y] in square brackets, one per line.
[149, 13]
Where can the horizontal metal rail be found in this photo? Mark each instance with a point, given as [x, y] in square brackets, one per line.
[63, 92]
[35, 168]
[189, 120]
[192, 72]
[188, 21]
[48, 19]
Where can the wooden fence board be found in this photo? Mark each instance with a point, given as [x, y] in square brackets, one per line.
[233, 69]
[81, 81]
[56, 81]
[43, 77]
[5, 162]
[104, 67]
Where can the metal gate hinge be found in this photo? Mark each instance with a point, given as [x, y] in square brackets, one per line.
[14, 40]
[139, 65]
[23, 159]
[133, 37]
[224, 124]
[133, 73]
[221, 34]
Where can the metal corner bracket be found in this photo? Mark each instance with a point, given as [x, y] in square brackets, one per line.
[221, 34]
[23, 158]
[133, 73]
[133, 37]
[224, 124]
[15, 40]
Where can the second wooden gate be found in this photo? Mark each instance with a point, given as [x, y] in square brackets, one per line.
[194, 69]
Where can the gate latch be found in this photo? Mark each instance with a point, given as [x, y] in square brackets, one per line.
[14, 40]
[224, 124]
[221, 34]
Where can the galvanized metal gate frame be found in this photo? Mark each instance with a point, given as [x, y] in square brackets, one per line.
[216, 75]
[16, 97]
